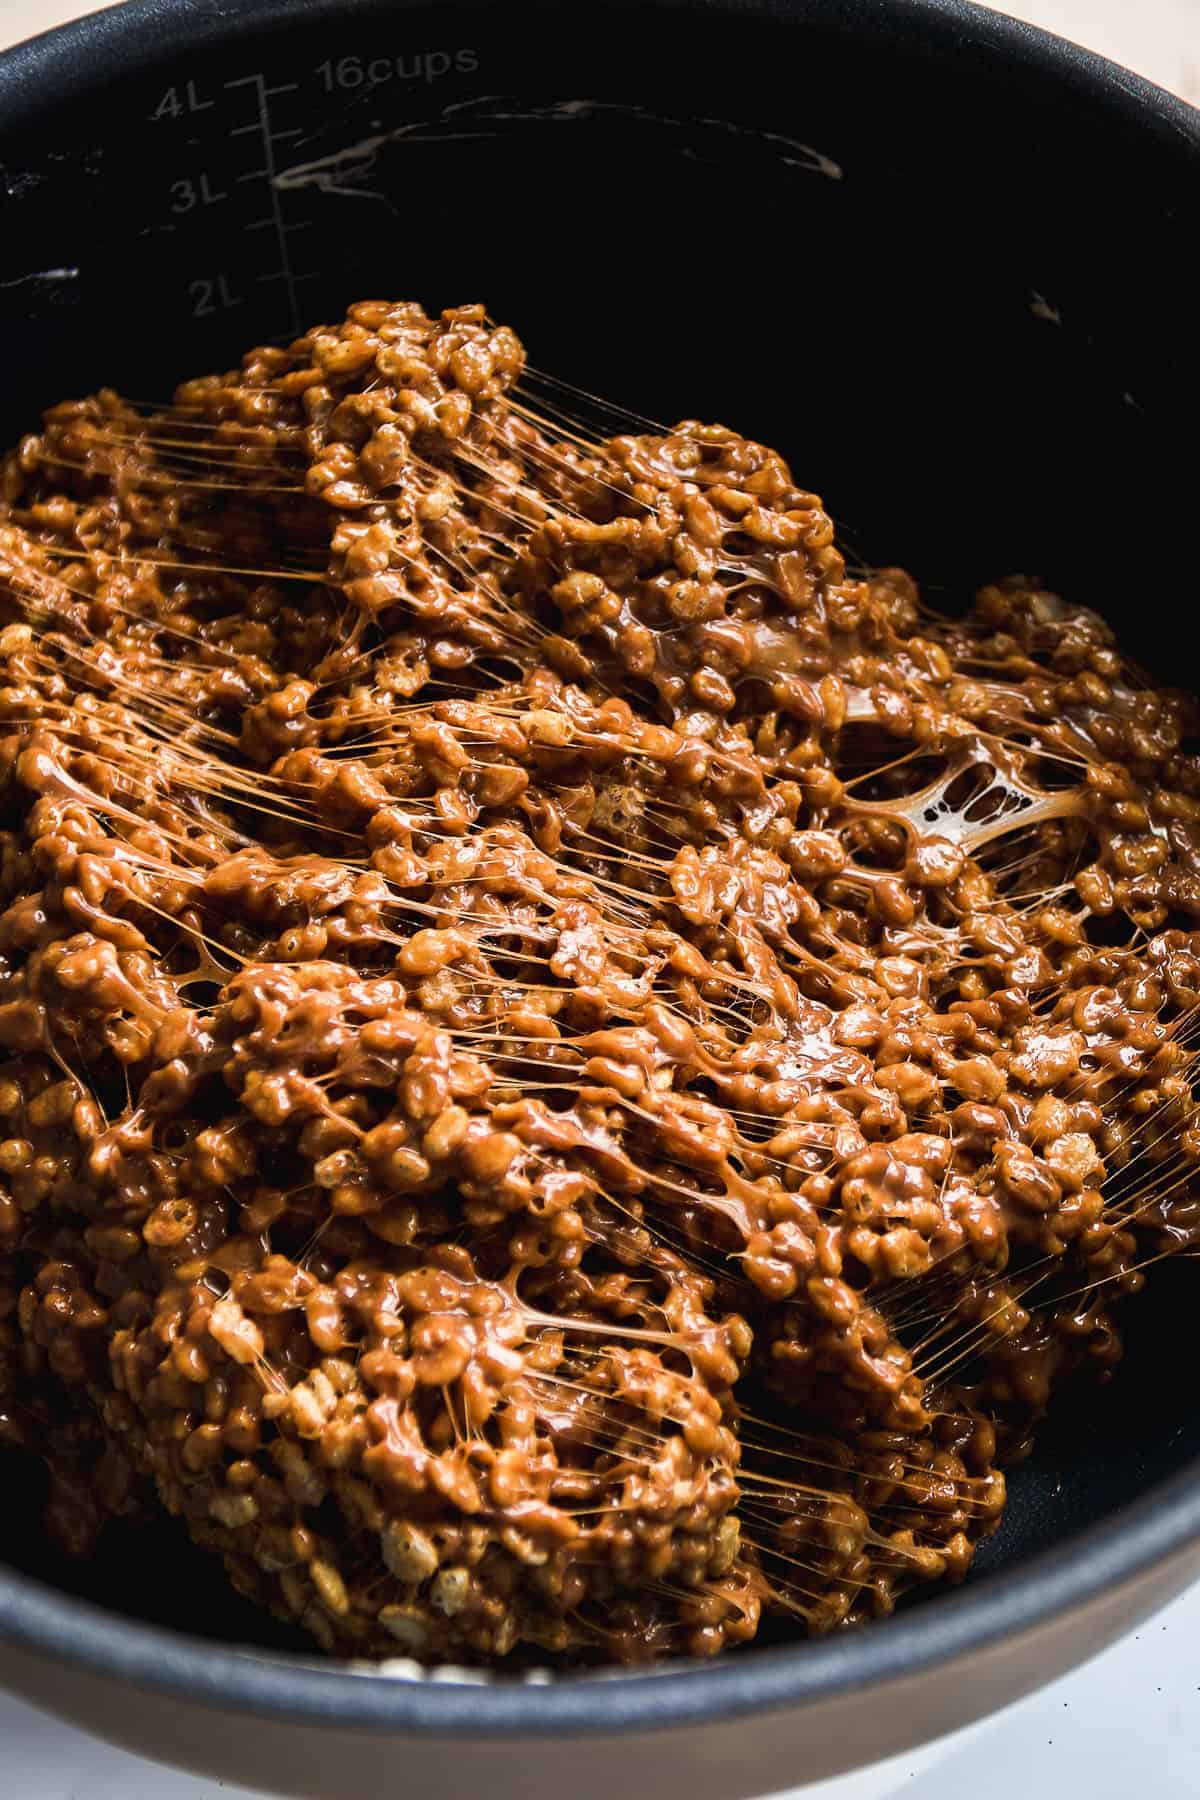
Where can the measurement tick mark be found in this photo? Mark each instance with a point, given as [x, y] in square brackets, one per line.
[261, 225]
[269, 138]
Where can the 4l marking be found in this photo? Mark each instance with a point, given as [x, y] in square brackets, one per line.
[171, 106]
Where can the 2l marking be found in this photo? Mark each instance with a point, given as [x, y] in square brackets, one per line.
[211, 294]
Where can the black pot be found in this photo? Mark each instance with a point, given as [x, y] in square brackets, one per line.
[944, 262]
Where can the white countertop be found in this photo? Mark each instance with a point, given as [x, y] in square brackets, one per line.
[1125, 1726]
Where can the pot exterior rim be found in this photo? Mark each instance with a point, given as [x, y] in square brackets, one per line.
[1053, 1585]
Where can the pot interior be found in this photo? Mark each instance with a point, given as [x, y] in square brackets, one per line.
[944, 273]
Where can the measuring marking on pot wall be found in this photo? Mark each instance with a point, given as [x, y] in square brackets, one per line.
[262, 126]
[209, 195]
[281, 166]
[194, 192]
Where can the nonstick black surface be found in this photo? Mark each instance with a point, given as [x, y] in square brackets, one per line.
[957, 295]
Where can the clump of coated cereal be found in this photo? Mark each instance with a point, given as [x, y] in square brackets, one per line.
[573, 1072]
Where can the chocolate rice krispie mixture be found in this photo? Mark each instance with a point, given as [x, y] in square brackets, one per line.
[573, 1074]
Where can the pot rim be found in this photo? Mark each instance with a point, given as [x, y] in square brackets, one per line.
[137, 32]
[1048, 1586]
